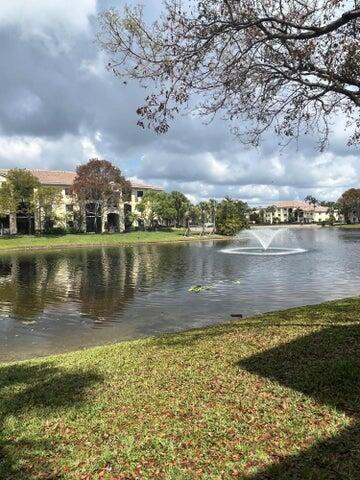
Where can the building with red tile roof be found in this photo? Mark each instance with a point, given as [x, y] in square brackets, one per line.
[114, 215]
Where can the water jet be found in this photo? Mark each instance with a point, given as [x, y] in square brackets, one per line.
[264, 237]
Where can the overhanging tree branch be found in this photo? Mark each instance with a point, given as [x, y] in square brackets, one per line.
[244, 59]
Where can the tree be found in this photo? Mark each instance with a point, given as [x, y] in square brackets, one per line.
[231, 216]
[21, 185]
[158, 206]
[298, 212]
[203, 214]
[350, 203]
[165, 208]
[292, 216]
[287, 65]
[262, 215]
[181, 203]
[269, 209]
[133, 217]
[97, 184]
[47, 200]
[254, 215]
[9, 202]
[333, 208]
[311, 200]
[190, 217]
[213, 204]
[147, 208]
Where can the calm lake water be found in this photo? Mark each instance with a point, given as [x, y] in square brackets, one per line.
[53, 302]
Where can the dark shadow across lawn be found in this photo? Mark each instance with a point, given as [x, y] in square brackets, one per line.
[25, 388]
[325, 366]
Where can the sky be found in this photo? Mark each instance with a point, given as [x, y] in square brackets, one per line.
[59, 106]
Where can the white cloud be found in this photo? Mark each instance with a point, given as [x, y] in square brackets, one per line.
[52, 22]
[16, 151]
[89, 147]
[37, 15]
[36, 152]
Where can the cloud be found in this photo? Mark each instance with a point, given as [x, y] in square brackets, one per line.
[37, 152]
[34, 17]
[59, 106]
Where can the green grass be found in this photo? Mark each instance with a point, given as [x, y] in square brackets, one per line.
[72, 240]
[350, 226]
[273, 397]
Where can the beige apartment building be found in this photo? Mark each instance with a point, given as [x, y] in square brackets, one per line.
[296, 211]
[112, 220]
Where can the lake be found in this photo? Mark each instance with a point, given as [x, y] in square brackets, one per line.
[56, 301]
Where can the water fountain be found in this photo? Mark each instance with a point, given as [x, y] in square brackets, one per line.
[264, 238]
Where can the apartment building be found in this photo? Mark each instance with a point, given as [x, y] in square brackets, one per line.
[296, 211]
[113, 218]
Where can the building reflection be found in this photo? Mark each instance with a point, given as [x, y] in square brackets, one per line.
[98, 283]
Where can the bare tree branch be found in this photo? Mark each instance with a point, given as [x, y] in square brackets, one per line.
[290, 65]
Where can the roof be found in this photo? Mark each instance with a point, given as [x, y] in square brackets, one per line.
[50, 177]
[66, 178]
[144, 186]
[300, 204]
[54, 177]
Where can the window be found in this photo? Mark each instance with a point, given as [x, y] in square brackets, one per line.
[139, 194]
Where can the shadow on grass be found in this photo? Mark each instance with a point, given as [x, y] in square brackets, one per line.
[325, 366]
[10, 237]
[43, 390]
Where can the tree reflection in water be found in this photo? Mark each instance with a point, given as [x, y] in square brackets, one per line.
[100, 282]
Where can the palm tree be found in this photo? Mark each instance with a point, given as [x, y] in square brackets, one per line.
[190, 213]
[203, 209]
[213, 204]
[311, 200]
[297, 213]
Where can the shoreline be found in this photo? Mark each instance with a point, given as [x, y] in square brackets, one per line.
[226, 324]
[100, 244]
[349, 226]
[128, 239]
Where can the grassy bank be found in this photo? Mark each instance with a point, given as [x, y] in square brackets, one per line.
[73, 240]
[274, 397]
[350, 226]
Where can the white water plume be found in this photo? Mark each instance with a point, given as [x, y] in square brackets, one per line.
[265, 236]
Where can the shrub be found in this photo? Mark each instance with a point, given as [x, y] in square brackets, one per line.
[231, 217]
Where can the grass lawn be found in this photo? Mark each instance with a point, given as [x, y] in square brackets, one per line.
[350, 226]
[273, 397]
[73, 240]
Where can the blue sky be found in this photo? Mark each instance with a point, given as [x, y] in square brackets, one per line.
[59, 107]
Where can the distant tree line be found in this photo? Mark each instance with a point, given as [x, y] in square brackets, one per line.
[175, 210]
